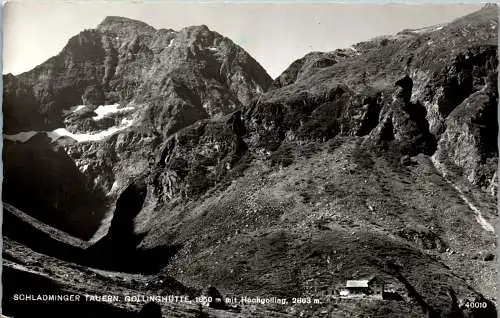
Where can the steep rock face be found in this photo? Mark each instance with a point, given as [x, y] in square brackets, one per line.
[468, 73]
[60, 82]
[316, 113]
[355, 92]
[403, 124]
[469, 141]
[20, 109]
[111, 162]
[183, 76]
[42, 180]
[200, 157]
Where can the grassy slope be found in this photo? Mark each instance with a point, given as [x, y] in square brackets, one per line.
[306, 228]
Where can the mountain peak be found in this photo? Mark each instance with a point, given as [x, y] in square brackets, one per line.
[117, 24]
[201, 27]
[196, 29]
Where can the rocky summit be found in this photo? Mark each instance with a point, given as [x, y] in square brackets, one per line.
[113, 94]
[163, 162]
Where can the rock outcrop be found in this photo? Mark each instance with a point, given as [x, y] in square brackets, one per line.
[469, 142]
[200, 157]
[403, 123]
[437, 72]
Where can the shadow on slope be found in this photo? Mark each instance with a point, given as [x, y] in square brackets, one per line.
[117, 250]
[39, 240]
[43, 181]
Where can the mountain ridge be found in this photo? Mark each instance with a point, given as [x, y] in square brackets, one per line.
[110, 54]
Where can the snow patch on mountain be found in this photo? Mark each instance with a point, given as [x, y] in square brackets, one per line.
[63, 132]
[83, 137]
[21, 137]
[74, 109]
[106, 110]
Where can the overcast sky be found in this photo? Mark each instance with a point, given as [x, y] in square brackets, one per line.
[274, 34]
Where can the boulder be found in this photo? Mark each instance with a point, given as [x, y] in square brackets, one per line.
[217, 298]
[150, 310]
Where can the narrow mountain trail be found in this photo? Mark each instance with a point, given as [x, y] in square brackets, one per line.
[487, 226]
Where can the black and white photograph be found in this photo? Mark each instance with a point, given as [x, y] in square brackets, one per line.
[253, 159]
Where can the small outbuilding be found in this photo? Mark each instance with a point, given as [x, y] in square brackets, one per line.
[366, 286]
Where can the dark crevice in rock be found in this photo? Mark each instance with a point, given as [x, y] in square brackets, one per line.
[371, 117]
[465, 76]
[454, 92]
[387, 132]
[406, 86]
[424, 142]
[238, 145]
[110, 62]
[487, 122]
[413, 131]
[237, 124]
[403, 127]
